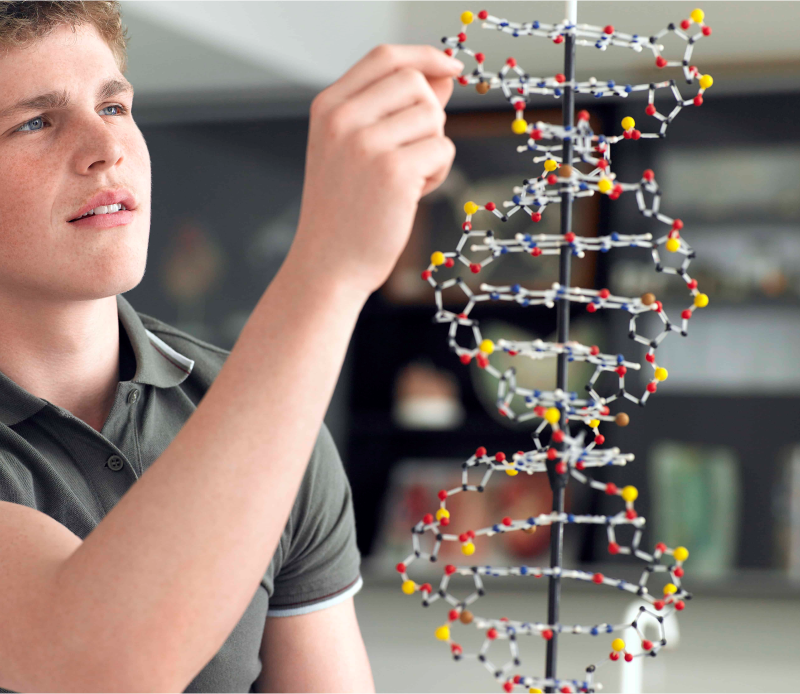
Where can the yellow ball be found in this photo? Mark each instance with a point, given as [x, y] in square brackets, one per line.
[408, 587]
[594, 423]
[468, 548]
[701, 300]
[670, 588]
[681, 554]
[661, 374]
[697, 15]
[618, 644]
[511, 473]
[550, 165]
[706, 81]
[604, 185]
[630, 493]
[487, 346]
[437, 258]
[533, 690]
[673, 245]
[519, 126]
[470, 207]
[442, 513]
[443, 633]
[552, 415]
[467, 17]
[628, 123]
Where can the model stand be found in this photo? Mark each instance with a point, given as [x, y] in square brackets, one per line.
[559, 452]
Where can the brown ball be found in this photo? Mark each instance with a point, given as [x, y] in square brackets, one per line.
[465, 617]
[622, 420]
[530, 531]
[648, 298]
[565, 171]
[482, 87]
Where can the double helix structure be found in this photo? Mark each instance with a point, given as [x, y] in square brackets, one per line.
[574, 162]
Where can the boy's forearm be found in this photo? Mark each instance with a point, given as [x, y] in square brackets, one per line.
[157, 587]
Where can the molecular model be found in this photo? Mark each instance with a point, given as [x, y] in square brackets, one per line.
[557, 451]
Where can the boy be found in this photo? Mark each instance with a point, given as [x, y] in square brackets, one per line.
[163, 499]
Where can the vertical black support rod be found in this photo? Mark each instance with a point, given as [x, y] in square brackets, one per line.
[558, 482]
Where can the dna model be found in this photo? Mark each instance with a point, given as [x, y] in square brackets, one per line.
[558, 452]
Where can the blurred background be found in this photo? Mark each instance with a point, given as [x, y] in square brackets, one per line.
[222, 97]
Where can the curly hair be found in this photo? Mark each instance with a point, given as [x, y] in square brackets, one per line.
[22, 23]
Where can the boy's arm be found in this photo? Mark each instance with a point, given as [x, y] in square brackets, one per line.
[321, 651]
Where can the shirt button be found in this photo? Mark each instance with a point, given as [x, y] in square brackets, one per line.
[133, 396]
[114, 462]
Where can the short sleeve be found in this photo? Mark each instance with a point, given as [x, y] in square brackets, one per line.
[322, 563]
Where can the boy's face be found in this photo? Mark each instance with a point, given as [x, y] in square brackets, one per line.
[53, 161]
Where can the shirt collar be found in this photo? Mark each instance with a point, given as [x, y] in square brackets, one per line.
[157, 364]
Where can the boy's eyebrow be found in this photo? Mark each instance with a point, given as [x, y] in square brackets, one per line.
[59, 100]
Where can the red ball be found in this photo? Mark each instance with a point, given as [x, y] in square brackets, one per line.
[462, 37]
[449, 569]
[442, 494]
[618, 189]
[599, 439]
[594, 350]
[605, 410]
[580, 465]
[507, 521]
[490, 206]
[636, 134]
[536, 216]
[463, 537]
[425, 588]
[611, 488]
[659, 604]
[444, 521]
[456, 649]
[480, 57]
[650, 110]
[465, 358]
[471, 534]
[475, 267]
[448, 51]
[650, 357]
[552, 453]
[539, 411]
[661, 547]
[558, 436]
[462, 80]
[552, 179]
[449, 262]
[547, 634]
[680, 605]
[604, 293]
[583, 115]
[692, 284]
[608, 30]
[630, 514]
[661, 62]
[685, 24]
[452, 615]
[677, 224]
[519, 105]
[678, 572]
[626, 134]
[614, 655]
[597, 578]
[536, 134]
[500, 456]
[511, 62]
[686, 314]
[426, 274]
[536, 252]
[648, 175]
[560, 78]
[517, 679]
[480, 452]
[647, 645]
[491, 634]
[427, 519]
[698, 100]
[561, 468]
[401, 568]
[483, 361]
[483, 14]
[565, 689]
[613, 548]
[466, 226]
[622, 369]
[602, 163]
[628, 657]
[706, 31]
[508, 686]
[591, 308]
[651, 387]
[659, 306]
[558, 39]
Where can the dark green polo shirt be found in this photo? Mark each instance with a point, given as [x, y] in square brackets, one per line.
[57, 464]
